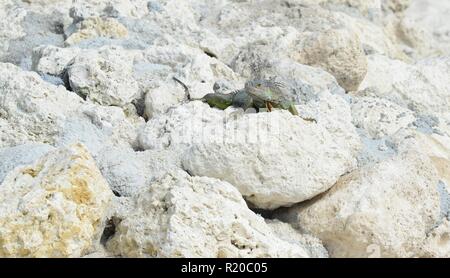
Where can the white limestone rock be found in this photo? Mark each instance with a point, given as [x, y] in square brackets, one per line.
[182, 216]
[49, 59]
[435, 145]
[55, 207]
[380, 117]
[11, 157]
[422, 87]
[181, 127]
[158, 100]
[397, 5]
[438, 243]
[128, 171]
[370, 9]
[124, 55]
[34, 110]
[104, 76]
[337, 51]
[384, 210]
[261, 154]
[306, 79]
[191, 66]
[333, 112]
[82, 9]
[98, 127]
[11, 17]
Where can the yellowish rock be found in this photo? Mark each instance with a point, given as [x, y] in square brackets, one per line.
[338, 51]
[382, 210]
[94, 27]
[54, 207]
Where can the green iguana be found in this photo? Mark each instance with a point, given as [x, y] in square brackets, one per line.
[257, 94]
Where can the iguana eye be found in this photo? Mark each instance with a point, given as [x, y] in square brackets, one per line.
[258, 85]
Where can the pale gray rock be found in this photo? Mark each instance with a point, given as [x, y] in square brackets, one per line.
[104, 76]
[421, 87]
[182, 216]
[383, 210]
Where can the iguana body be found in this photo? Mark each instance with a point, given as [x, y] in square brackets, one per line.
[218, 100]
[222, 101]
[272, 94]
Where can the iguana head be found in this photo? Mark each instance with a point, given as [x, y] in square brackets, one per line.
[255, 85]
[265, 90]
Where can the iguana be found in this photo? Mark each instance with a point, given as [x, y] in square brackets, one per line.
[257, 94]
[272, 94]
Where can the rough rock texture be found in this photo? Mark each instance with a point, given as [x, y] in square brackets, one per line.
[54, 207]
[386, 207]
[380, 117]
[94, 27]
[178, 216]
[11, 18]
[338, 52]
[127, 171]
[104, 77]
[48, 59]
[285, 231]
[32, 109]
[260, 154]
[430, 17]
[20, 155]
[369, 79]
[422, 87]
[159, 100]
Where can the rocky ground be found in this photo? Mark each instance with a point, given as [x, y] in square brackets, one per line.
[103, 155]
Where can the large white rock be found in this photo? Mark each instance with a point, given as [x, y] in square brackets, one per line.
[182, 216]
[269, 157]
[388, 208]
[52, 60]
[82, 9]
[370, 9]
[11, 17]
[128, 171]
[432, 17]
[104, 76]
[438, 243]
[158, 100]
[55, 207]
[273, 158]
[32, 109]
[98, 127]
[96, 27]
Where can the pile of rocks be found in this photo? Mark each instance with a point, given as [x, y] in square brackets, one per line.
[103, 154]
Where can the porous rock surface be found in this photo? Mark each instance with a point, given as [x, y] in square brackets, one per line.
[109, 92]
[178, 216]
[55, 207]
